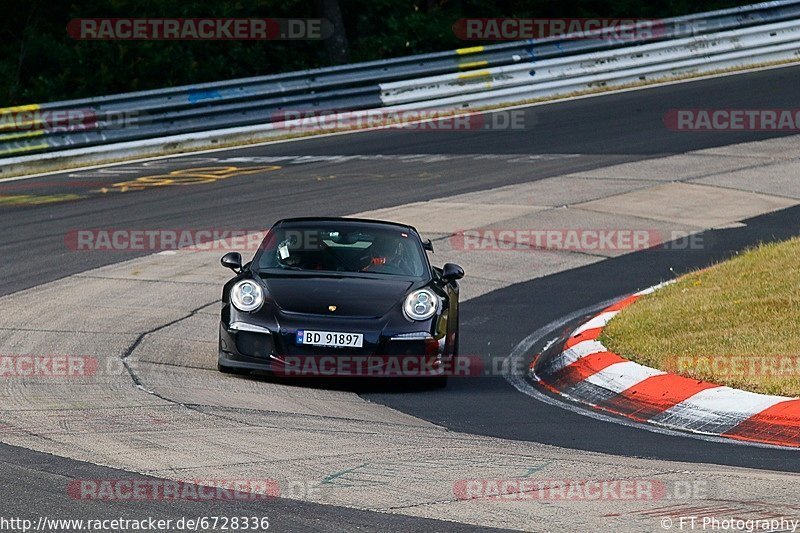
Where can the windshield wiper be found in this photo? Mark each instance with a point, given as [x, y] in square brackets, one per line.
[279, 267]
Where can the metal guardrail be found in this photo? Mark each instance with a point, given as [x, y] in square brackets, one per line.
[668, 59]
[464, 78]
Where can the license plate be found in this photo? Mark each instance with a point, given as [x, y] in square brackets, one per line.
[330, 338]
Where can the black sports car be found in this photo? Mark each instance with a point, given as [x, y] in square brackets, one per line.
[340, 297]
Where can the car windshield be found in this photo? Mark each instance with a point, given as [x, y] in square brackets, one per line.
[362, 249]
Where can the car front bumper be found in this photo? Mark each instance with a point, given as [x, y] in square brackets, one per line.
[247, 346]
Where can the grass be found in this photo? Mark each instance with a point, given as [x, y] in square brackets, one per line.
[736, 323]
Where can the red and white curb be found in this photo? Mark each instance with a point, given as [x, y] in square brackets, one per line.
[585, 371]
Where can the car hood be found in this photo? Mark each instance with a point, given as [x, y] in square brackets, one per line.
[355, 297]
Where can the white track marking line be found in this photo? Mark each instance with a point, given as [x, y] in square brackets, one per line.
[575, 353]
[622, 376]
[713, 407]
[597, 322]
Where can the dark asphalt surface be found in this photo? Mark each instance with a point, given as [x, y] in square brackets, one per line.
[36, 485]
[491, 406]
[604, 130]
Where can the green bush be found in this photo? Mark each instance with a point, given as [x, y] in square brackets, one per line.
[39, 61]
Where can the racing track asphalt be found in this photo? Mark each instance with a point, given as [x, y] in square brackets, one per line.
[608, 129]
[40, 479]
[503, 318]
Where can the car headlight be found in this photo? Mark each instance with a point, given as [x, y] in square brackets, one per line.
[421, 305]
[246, 295]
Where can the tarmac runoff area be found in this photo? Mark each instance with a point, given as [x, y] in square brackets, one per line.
[167, 412]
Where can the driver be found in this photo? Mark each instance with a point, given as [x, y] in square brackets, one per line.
[384, 250]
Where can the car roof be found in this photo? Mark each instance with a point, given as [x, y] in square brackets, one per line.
[345, 221]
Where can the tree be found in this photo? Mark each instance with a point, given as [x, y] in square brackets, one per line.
[336, 45]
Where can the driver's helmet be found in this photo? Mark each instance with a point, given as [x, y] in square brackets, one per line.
[386, 249]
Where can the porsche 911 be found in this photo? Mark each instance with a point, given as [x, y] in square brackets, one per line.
[340, 297]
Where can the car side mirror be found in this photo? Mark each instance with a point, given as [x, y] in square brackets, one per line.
[232, 260]
[452, 272]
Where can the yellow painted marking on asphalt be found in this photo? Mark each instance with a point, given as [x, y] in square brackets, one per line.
[469, 50]
[473, 64]
[32, 199]
[186, 176]
[475, 74]
[11, 136]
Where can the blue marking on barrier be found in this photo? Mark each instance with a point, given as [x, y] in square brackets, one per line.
[199, 96]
